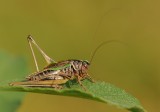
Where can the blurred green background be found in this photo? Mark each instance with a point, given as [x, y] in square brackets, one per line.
[72, 29]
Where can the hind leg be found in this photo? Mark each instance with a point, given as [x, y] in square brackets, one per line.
[56, 86]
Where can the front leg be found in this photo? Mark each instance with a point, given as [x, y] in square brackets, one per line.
[90, 78]
[86, 76]
[79, 81]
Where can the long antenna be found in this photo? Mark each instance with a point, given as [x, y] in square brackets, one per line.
[103, 17]
[105, 42]
[102, 44]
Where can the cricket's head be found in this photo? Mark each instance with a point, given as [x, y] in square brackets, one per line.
[85, 65]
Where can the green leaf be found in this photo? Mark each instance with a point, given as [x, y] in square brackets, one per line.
[99, 91]
[10, 68]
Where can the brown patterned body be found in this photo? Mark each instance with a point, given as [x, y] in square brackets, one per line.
[75, 69]
[56, 73]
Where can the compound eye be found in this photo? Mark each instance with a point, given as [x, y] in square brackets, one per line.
[86, 62]
[85, 65]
